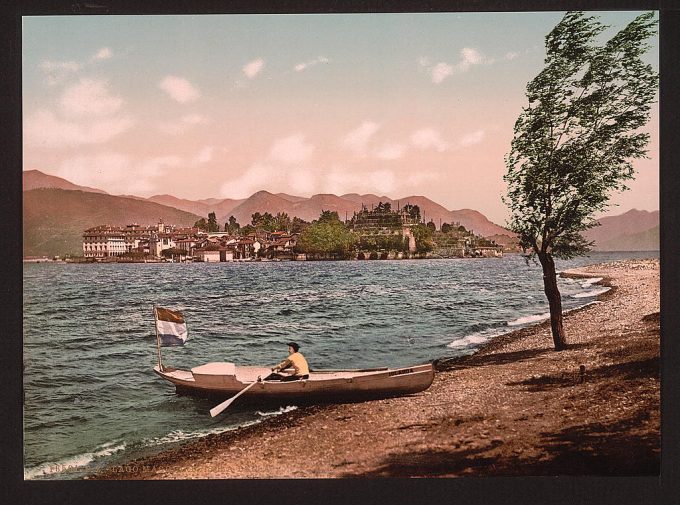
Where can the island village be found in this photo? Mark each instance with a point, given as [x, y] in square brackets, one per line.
[378, 233]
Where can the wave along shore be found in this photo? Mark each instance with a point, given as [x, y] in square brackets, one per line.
[516, 407]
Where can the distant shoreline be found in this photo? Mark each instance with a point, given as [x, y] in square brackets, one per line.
[82, 260]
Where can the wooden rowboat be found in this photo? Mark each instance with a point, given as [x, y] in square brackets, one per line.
[226, 379]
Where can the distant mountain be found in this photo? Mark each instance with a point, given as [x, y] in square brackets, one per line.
[54, 219]
[199, 207]
[291, 198]
[311, 208]
[635, 230]
[261, 202]
[345, 205]
[477, 222]
[647, 240]
[367, 199]
[34, 179]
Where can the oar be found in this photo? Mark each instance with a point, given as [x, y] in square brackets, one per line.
[219, 408]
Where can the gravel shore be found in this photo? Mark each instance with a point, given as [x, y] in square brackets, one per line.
[516, 407]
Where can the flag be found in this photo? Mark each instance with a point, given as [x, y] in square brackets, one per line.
[171, 327]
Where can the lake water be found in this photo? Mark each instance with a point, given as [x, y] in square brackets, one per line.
[92, 399]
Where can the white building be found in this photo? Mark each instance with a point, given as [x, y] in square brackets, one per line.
[103, 241]
[161, 242]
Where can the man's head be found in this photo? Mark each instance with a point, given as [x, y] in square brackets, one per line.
[293, 347]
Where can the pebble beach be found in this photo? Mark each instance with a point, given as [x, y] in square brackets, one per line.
[515, 407]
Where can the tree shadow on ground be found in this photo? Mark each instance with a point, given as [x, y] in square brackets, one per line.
[600, 449]
[476, 361]
[631, 370]
[431, 463]
[502, 358]
[594, 449]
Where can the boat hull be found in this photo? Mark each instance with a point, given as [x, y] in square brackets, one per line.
[225, 380]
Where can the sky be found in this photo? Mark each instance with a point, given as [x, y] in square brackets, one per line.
[222, 106]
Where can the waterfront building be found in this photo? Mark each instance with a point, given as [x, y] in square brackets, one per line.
[103, 241]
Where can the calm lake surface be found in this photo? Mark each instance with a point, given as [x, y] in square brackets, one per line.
[92, 399]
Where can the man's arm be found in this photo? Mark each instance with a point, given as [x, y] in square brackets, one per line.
[284, 364]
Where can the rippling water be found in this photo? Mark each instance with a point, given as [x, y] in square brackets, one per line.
[91, 397]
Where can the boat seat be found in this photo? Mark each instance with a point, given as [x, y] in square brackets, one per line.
[218, 368]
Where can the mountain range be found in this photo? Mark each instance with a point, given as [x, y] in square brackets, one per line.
[56, 211]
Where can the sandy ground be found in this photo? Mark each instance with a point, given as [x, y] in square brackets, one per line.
[516, 407]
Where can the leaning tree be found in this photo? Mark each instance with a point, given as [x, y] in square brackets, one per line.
[575, 141]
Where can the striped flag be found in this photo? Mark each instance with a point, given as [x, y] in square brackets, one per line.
[171, 327]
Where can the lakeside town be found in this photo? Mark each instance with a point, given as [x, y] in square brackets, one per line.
[376, 233]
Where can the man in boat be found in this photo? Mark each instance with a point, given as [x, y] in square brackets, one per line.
[295, 360]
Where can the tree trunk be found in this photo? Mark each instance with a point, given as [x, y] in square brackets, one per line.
[554, 300]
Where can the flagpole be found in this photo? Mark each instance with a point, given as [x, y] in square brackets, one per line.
[158, 339]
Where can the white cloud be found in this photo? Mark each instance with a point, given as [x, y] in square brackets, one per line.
[302, 181]
[205, 155]
[157, 166]
[182, 124]
[57, 72]
[384, 181]
[194, 119]
[257, 177]
[469, 57]
[511, 55]
[390, 152]
[291, 150]
[88, 114]
[340, 181]
[90, 97]
[418, 178]
[103, 54]
[428, 138]
[50, 66]
[357, 140]
[251, 69]
[440, 72]
[116, 173]
[305, 65]
[44, 129]
[179, 89]
[472, 138]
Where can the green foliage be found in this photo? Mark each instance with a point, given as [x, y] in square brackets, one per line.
[327, 237]
[382, 216]
[328, 216]
[575, 140]
[232, 226]
[298, 225]
[201, 224]
[382, 242]
[248, 229]
[423, 235]
[447, 228]
[413, 211]
[282, 222]
[212, 223]
[263, 221]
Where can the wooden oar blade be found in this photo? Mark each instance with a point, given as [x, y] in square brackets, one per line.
[219, 408]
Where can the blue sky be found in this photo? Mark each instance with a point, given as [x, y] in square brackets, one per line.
[223, 106]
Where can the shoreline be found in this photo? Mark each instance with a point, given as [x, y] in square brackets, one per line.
[485, 414]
